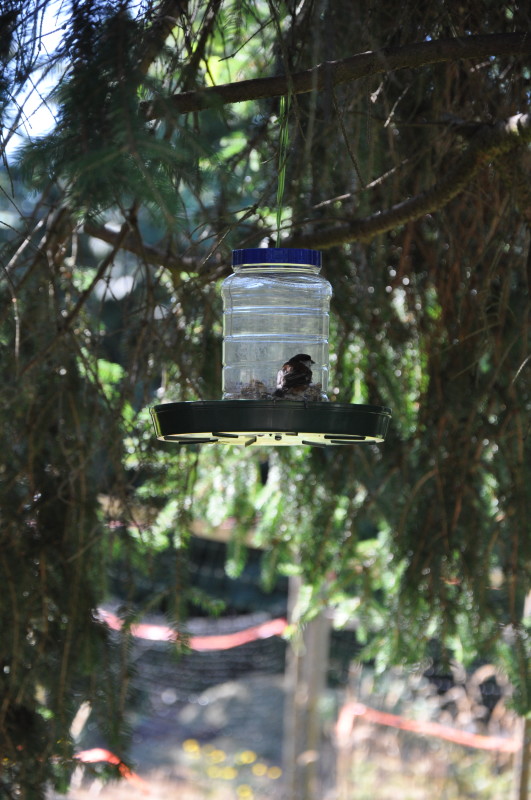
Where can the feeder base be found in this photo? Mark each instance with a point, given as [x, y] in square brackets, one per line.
[257, 423]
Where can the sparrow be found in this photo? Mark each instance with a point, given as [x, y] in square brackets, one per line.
[294, 376]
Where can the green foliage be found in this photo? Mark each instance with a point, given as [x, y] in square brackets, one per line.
[102, 148]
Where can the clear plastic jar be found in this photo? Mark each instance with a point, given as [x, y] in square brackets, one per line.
[275, 306]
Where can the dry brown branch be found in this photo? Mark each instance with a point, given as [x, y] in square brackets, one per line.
[332, 73]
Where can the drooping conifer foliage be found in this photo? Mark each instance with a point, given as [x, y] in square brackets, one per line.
[408, 164]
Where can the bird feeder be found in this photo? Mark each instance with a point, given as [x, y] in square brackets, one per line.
[275, 307]
[275, 363]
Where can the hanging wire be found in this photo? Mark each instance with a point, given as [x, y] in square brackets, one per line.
[285, 103]
[283, 115]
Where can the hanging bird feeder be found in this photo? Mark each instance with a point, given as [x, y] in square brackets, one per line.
[275, 363]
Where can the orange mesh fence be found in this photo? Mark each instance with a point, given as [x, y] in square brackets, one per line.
[162, 633]
[347, 715]
[350, 711]
[97, 754]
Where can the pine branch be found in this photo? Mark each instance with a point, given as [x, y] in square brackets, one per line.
[515, 169]
[332, 73]
[489, 143]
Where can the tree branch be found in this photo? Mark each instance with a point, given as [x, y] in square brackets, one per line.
[67, 321]
[163, 24]
[489, 143]
[332, 73]
[133, 244]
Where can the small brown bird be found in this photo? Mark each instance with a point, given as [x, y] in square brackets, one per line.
[295, 375]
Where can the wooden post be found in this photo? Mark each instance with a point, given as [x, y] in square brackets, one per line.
[523, 755]
[521, 761]
[306, 666]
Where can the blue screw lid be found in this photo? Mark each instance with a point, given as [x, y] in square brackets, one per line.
[276, 255]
